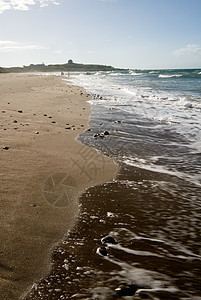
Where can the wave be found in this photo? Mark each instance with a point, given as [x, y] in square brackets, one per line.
[143, 164]
[135, 74]
[117, 74]
[169, 76]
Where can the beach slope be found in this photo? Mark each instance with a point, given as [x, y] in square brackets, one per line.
[43, 171]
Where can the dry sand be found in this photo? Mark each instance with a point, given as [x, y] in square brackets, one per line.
[42, 173]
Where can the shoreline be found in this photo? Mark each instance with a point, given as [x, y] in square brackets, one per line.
[41, 119]
[151, 214]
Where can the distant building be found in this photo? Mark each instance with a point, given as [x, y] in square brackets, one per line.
[70, 62]
[35, 65]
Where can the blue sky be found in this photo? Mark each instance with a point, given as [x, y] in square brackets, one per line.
[122, 33]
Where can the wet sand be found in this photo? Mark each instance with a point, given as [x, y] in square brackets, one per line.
[43, 171]
[153, 216]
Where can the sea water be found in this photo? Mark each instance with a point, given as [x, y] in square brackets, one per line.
[159, 108]
[152, 209]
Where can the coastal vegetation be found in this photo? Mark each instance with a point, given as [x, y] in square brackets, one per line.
[70, 66]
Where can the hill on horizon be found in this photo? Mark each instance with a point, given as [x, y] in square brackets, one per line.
[67, 67]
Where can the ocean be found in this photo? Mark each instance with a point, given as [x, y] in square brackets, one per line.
[149, 122]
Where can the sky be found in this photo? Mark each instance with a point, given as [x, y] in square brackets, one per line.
[135, 34]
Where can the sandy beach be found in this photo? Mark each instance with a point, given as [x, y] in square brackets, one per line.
[43, 171]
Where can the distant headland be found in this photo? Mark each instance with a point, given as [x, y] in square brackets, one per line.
[70, 66]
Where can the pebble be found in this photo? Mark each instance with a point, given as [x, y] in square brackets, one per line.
[126, 289]
[3, 111]
[188, 105]
[15, 121]
[106, 132]
[99, 135]
[5, 148]
[37, 132]
[108, 240]
[20, 111]
[102, 251]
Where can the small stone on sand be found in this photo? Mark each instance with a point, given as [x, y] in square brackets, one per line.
[102, 251]
[106, 132]
[5, 148]
[126, 290]
[108, 240]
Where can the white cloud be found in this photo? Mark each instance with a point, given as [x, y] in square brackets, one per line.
[14, 46]
[44, 3]
[188, 50]
[4, 6]
[23, 4]
[7, 43]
